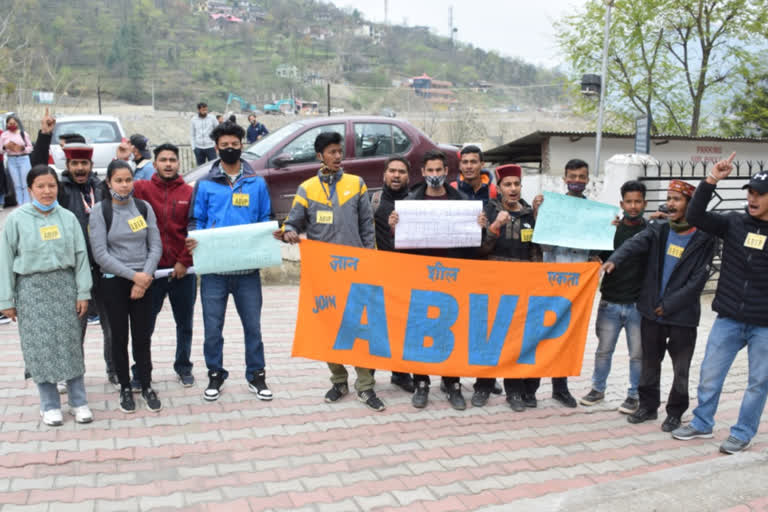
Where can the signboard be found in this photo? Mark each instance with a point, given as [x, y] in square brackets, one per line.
[643, 135]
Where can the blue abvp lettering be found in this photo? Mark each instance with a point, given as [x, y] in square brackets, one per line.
[536, 331]
[370, 298]
[485, 350]
[419, 326]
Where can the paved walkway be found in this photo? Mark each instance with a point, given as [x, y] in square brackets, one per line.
[299, 453]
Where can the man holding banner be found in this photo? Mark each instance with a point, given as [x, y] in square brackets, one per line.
[677, 259]
[231, 194]
[334, 207]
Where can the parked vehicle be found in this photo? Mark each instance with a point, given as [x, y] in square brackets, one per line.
[3, 117]
[286, 157]
[104, 133]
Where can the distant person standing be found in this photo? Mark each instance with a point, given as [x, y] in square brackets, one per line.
[15, 143]
[141, 157]
[256, 130]
[200, 139]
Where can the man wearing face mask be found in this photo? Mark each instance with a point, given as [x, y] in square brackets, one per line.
[142, 158]
[80, 190]
[170, 198]
[434, 188]
[231, 194]
[677, 257]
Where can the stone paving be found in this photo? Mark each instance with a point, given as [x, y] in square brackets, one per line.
[299, 453]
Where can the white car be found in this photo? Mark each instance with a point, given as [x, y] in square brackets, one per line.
[104, 133]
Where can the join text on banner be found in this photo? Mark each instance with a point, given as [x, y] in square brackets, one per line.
[442, 316]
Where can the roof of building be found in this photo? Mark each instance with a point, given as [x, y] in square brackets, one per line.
[528, 147]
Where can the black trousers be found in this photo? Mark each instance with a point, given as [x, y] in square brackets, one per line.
[679, 342]
[98, 307]
[449, 381]
[122, 311]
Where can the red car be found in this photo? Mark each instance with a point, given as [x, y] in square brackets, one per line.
[286, 157]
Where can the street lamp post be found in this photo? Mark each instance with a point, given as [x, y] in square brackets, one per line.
[603, 75]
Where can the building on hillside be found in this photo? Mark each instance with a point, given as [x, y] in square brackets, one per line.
[287, 71]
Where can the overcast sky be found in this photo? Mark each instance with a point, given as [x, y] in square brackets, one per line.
[515, 28]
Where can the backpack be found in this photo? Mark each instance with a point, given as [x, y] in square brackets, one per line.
[106, 210]
[376, 201]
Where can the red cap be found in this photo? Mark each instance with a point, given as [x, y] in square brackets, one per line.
[503, 171]
[684, 188]
[77, 151]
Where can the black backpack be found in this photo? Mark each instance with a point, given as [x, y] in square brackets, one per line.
[106, 210]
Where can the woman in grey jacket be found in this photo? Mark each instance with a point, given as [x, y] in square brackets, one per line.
[126, 245]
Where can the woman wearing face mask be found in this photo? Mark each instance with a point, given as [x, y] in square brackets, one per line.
[126, 244]
[17, 146]
[45, 283]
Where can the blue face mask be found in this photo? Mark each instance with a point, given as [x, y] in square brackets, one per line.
[43, 208]
[118, 197]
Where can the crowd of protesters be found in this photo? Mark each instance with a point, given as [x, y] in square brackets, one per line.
[77, 239]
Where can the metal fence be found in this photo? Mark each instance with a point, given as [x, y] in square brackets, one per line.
[728, 196]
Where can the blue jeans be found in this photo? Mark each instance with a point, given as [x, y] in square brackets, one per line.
[49, 394]
[611, 318]
[182, 294]
[726, 338]
[203, 155]
[18, 167]
[214, 293]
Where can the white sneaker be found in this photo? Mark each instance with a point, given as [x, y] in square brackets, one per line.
[82, 414]
[62, 387]
[52, 417]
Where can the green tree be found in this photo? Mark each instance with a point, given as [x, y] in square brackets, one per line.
[670, 58]
[749, 110]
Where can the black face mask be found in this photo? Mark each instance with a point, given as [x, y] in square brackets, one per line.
[230, 155]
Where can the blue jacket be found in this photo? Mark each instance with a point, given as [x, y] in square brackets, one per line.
[214, 204]
[254, 132]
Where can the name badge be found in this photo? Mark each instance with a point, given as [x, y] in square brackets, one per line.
[526, 235]
[241, 199]
[137, 223]
[755, 241]
[50, 233]
[325, 217]
[675, 250]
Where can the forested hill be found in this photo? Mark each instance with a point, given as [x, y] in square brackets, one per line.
[187, 49]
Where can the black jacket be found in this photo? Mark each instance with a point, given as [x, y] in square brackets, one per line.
[71, 198]
[742, 289]
[508, 244]
[41, 149]
[385, 240]
[680, 301]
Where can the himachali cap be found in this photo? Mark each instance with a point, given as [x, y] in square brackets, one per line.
[684, 188]
[504, 171]
[78, 151]
[758, 182]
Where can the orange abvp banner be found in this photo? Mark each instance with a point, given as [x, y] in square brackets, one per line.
[442, 316]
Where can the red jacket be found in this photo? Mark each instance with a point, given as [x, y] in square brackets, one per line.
[171, 201]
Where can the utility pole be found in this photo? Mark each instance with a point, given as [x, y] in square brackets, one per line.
[450, 23]
[386, 12]
[328, 94]
[603, 83]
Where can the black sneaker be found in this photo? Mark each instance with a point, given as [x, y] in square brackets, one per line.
[629, 405]
[455, 398]
[215, 383]
[421, 396]
[592, 398]
[404, 381]
[259, 386]
[150, 398]
[337, 391]
[480, 397]
[529, 399]
[515, 401]
[670, 424]
[641, 415]
[369, 398]
[565, 398]
[187, 380]
[127, 405]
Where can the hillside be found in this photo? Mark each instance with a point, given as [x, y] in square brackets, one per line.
[187, 50]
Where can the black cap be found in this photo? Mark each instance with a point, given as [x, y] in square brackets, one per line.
[758, 182]
[140, 143]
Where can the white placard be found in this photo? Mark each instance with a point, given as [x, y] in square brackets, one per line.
[432, 224]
